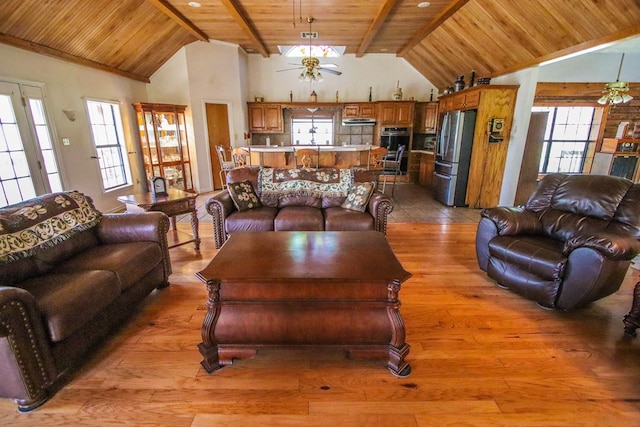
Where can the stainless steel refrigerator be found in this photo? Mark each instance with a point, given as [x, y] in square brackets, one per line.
[453, 156]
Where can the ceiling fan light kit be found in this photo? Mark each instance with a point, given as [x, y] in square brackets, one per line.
[311, 69]
[616, 92]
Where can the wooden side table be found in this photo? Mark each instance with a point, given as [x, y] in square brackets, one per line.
[632, 320]
[176, 202]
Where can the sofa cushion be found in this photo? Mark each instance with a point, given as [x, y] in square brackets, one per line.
[339, 219]
[129, 261]
[243, 195]
[358, 196]
[299, 218]
[259, 219]
[70, 300]
[540, 256]
[311, 201]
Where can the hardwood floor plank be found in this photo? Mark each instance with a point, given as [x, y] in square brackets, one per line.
[480, 355]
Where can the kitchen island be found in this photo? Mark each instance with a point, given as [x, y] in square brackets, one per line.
[337, 156]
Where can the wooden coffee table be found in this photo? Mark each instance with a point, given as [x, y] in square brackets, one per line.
[334, 289]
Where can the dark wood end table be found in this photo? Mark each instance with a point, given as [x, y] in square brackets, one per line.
[632, 320]
[336, 289]
[176, 202]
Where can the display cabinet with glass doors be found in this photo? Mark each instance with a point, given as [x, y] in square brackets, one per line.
[163, 143]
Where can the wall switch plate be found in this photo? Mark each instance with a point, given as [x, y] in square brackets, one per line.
[66, 141]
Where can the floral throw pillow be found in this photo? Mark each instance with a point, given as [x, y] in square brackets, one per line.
[243, 195]
[358, 196]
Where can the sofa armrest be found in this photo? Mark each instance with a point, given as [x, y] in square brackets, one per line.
[512, 221]
[220, 206]
[380, 206]
[137, 227]
[27, 365]
[612, 246]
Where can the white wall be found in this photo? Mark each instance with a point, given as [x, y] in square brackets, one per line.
[527, 80]
[65, 86]
[201, 73]
[381, 72]
[590, 67]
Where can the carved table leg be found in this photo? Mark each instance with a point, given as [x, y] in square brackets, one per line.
[208, 347]
[632, 320]
[398, 348]
[194, 229]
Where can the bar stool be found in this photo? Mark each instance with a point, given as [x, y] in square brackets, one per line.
[225, 165]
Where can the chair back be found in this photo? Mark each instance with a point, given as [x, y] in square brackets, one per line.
[241, 157]
[306, 157]
[376, 158]
[222, 156]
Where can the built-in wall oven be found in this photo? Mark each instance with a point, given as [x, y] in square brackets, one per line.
[393, 137]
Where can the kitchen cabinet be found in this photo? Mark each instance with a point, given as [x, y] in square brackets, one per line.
[265, 117]
[427, 163]
[466, 100]
[426, 117]
[396, 113]
[359, 110]
[488, 157]
[163, 143]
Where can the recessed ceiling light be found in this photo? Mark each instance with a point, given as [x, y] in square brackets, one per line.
[424, 4]
[194, 4]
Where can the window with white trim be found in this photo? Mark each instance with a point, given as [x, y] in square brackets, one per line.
[567, 136]
[108, 139]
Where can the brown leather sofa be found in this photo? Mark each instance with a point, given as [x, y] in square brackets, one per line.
[570, 245]
[68, 275]
[297, 212]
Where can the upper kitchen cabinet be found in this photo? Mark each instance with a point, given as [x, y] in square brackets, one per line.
[426, 117]
[396, 113]
[359, 110]
[164, 145]
[265, 118]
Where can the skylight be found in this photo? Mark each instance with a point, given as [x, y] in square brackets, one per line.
[301, 51]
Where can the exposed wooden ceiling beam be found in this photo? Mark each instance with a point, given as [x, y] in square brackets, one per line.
[384, 11]
[44, 50]
[179, 18]
[453, 7]
[233, 9]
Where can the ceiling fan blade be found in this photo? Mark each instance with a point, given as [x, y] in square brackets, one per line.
[330, 65]
[289, 69]
[329, 70]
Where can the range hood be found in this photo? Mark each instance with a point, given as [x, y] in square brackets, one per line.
[358, 122]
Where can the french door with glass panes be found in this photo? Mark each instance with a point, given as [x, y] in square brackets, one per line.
[28, 165]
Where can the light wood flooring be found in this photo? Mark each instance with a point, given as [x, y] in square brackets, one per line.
[481, 355]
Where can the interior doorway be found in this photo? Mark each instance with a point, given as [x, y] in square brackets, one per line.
[218, 132]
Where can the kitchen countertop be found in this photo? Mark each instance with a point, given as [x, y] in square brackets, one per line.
[291, 148]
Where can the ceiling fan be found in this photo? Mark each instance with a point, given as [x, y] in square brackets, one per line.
[311, 66]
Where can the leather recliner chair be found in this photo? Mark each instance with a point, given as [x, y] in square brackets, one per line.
[570, 245]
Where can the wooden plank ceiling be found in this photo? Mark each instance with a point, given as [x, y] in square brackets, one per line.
[449, 37]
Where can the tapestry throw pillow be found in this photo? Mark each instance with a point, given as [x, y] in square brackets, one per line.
[243, 195]
[42, 222]
[358, 196]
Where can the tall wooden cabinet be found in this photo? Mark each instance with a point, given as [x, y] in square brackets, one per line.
[163, 143]
[489, 155]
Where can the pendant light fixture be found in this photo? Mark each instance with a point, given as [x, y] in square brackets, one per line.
[616, 92]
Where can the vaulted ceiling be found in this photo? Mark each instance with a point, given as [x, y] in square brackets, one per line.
[449, 37]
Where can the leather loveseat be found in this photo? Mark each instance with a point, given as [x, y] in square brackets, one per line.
[68, 275]
[298, 200]
[570, 245]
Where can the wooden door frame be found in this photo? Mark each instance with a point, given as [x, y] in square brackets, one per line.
[232, 132]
